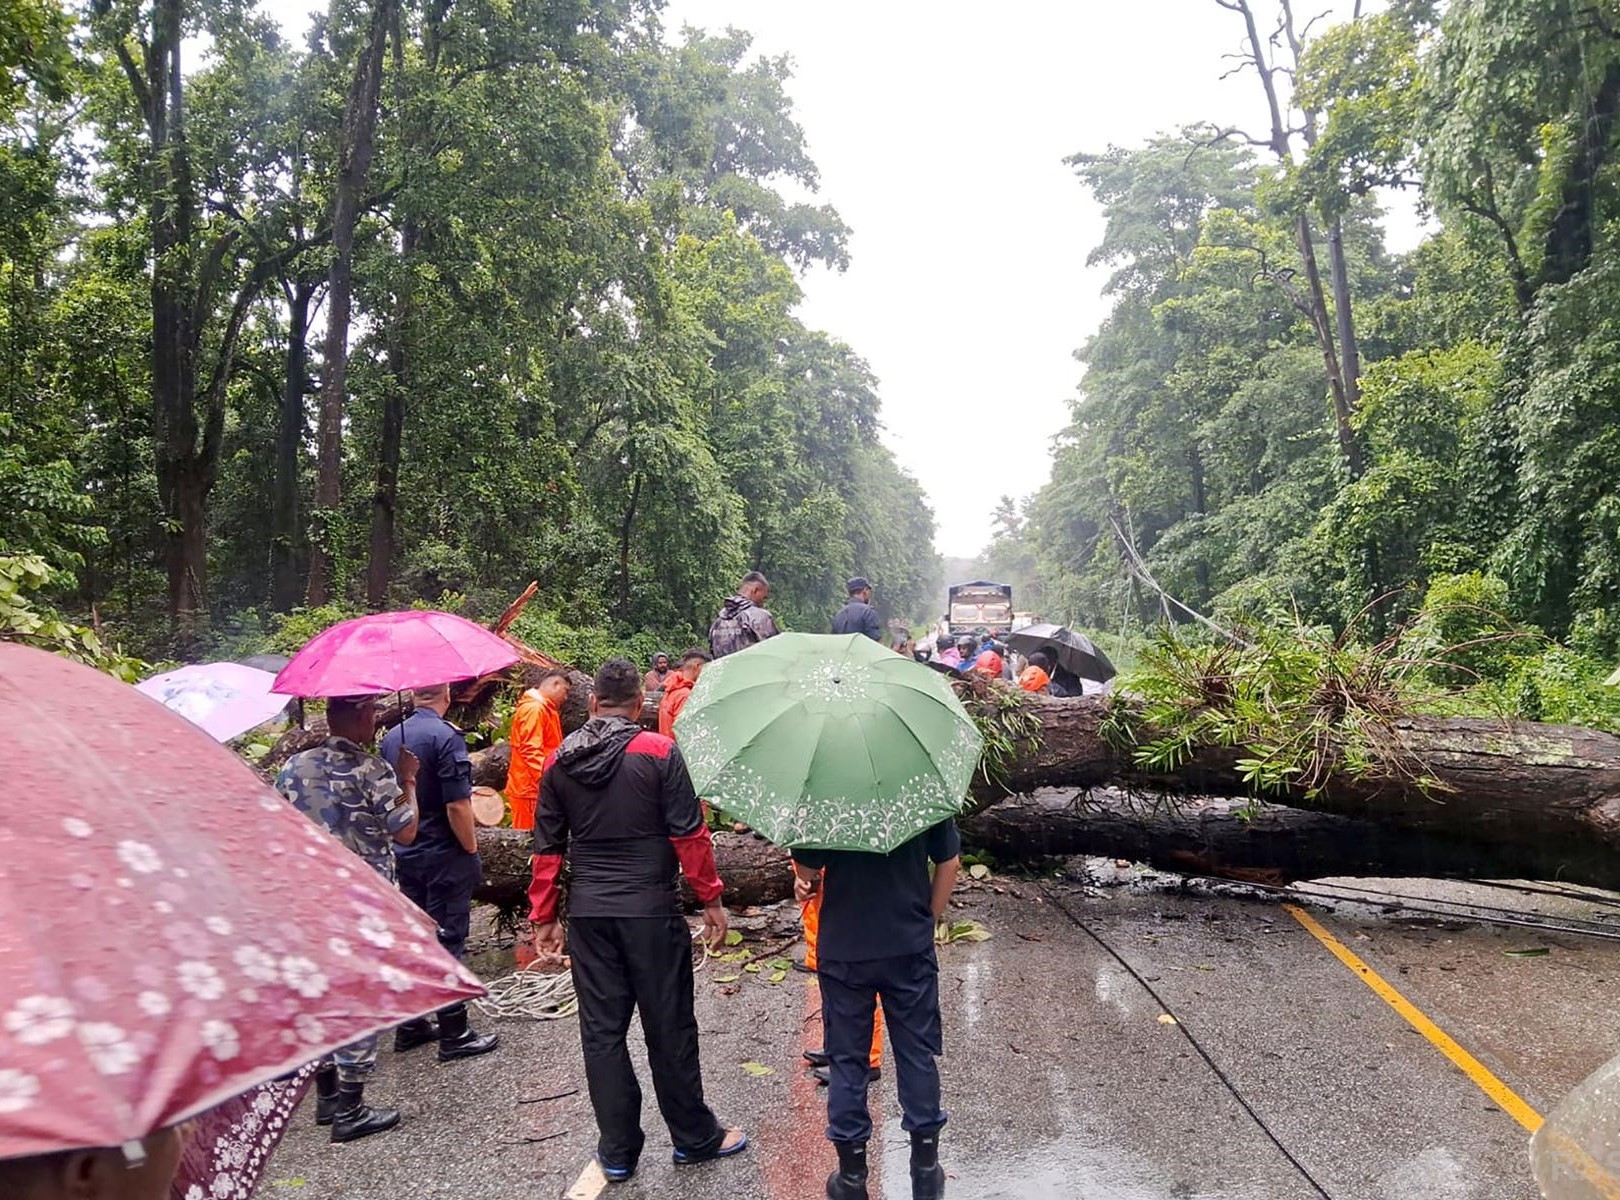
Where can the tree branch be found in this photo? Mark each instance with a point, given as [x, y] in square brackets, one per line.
[137, 83]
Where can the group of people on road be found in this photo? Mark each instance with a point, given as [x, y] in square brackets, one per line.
[408, 815]
[616, 802]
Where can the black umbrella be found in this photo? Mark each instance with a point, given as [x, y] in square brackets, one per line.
[1072, 651]
[267, 662]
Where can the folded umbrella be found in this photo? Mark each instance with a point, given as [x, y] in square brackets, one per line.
[226, 699]
[393, 652]
[1072, 651]
[830, 742]
[172, 932]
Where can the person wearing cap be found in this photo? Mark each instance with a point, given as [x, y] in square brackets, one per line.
[440, 870]
[357, 798]
[858, 616]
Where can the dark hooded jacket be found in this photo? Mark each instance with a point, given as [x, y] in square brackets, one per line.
[741, 624]
[618, 802]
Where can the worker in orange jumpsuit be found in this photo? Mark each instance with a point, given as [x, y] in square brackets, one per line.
[810, 913]
[678, 688]
[536, 732]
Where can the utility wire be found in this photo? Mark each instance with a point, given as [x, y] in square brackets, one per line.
[1191, 1040]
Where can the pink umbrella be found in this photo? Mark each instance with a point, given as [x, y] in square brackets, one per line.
[172, 932]
[224, 698]
[392, 652]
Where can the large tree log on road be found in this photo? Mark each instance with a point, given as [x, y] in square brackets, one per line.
[1192, 836]
[1515, 783]
[753, 871]
[1515, 799]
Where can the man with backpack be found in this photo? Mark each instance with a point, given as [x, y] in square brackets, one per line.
[743, 621]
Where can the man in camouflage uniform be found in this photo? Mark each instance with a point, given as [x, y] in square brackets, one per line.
[357, 798]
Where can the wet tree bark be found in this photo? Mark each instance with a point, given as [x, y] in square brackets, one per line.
[358, 141]
[1515, 800]
[285, 539]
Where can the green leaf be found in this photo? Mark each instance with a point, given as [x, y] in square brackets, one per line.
[752, 968]
[758, 1070]
[776, 977]
[979, 871]
[727, 978]
[733, 937]
[1529, 952]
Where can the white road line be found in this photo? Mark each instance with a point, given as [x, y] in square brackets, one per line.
[589, 1185]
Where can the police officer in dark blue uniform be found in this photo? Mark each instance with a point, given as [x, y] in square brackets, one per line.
[440, 870]
[877, 940]
[858, 616]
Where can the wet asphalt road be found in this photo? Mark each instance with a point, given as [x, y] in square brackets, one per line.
[1061, 1077]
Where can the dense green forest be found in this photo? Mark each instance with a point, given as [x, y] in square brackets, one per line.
[452, 296]
[1281, 420]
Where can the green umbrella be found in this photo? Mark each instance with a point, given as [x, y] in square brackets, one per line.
[829, 742]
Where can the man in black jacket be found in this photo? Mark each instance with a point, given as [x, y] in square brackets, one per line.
[858, 616]
[618, 802]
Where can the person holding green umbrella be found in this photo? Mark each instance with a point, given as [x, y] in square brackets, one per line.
[857, 760]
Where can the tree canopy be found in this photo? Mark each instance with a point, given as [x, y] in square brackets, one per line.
[445, 297]
[1439, 424]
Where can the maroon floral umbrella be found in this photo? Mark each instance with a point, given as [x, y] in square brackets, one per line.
[173, 935]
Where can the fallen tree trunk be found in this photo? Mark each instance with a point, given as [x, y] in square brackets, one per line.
[1515, 783]
[754, 872]
[1270, 844]
[1514, 800]
[1190, 835]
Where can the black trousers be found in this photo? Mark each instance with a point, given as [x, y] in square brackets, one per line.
[621, 965]
[849, 994]
[440, 880]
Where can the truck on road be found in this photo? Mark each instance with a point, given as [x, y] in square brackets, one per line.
[979, 604]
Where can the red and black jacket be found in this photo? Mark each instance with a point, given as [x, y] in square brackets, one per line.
[618, 802]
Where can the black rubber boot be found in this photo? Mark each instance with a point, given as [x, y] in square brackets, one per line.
[456, 1040]
[355, 1118]
[927, 1176]
[326, 1094]
[849, 1181]
[412, 1034]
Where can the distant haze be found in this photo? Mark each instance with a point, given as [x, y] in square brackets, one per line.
[941, 131]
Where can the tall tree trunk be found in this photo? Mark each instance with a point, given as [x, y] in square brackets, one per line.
[172, 212]
[1281, 144]
[1200, 502]
[1344, 315]
[1571, 234]
[385, 494]
[624, 546]
[1349, 448]
[358, 140]
[285, 539]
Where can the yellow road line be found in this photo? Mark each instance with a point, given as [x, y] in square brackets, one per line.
[1505, 1097]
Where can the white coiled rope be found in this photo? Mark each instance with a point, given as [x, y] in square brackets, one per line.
[533, 993]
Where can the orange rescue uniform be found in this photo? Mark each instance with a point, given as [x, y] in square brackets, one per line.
[536, 732]
[677, 691]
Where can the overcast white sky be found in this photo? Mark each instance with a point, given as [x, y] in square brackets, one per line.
[940, 129]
